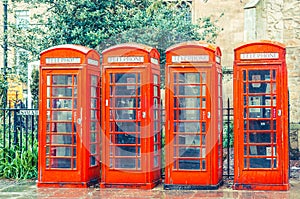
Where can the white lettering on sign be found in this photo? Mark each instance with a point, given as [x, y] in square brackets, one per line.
[130, 59]
[28, 112]
[190, 58]
[63, 60]
[154, 61]
[93, 62]
[259, 55]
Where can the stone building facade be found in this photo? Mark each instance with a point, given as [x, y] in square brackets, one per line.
[243, 20]
[247, 20]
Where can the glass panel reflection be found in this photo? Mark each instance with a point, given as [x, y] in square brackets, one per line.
[129, 163]
[126, 90]
[257, 78]
[62, 91]
[187, 102]
[62, 80]
[189, 164]
[61, 163]
[260, 137]
[190, 115]
[260, 125]
[125, 151]
[126, 127]
[127, 78]
[62, 115]
[187, 126]
[189, 90]
[61, 139]
[125, 139]
[260, 163]
[190, 140]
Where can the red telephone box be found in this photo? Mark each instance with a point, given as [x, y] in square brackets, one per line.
[260, 117]
[131, 117]
[193, 116]
[69, 110]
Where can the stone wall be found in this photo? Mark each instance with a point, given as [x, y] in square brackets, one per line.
[291, 37]
[232, 23]
[283, 25]
[232, 35]
[247, 20]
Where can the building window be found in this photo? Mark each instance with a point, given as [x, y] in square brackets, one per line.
[22, 18]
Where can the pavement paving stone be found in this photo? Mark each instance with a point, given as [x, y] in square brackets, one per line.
[28, 189]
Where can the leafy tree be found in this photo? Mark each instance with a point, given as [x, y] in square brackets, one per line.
[34, 86]
[100, 24]
[91, 22]
[3, 85]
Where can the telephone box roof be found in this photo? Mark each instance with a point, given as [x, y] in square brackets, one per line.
[194, 43]
[260, 42]
[143, 47]
[79, 48]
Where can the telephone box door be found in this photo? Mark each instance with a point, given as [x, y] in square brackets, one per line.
[60, 147]
[189, 126]
[262, 137]
[124, 123]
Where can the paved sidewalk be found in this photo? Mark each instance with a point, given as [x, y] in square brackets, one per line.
[27, 189]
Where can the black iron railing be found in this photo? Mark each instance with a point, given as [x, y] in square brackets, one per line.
[18, 128]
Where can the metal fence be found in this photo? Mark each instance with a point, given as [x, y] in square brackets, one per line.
[228, 140]
[19, 131]
[18, 128]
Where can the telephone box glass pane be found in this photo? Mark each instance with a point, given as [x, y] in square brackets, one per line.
[189, 105]
[125, 163]
[126, 139]
[189, 90]
[94, 123]
[61, 137]
[125, 114]
[189, 164]
[125, 151]
[189, 152]
[260, 119]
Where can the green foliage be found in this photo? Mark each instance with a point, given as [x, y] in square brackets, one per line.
[225, 135]
[3, 85]
[91, 23]
[34, 86]
[19, 165]
[100, 24]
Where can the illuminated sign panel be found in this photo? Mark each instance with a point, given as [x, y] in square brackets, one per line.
[93, 62]
[63, 60]
[270, 55]
[190, 58]
[131, 59]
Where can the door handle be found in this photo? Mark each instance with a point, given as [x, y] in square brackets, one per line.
[279, 112]
[208, 115]
[143, 114]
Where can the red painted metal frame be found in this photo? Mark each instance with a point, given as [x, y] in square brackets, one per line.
[201, 58]
[144, 169]
[82, 66]
[269, 57]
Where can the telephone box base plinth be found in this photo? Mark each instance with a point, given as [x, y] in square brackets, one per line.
[262, 187]
[68, 184]
[131, 185]
[192, 187]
